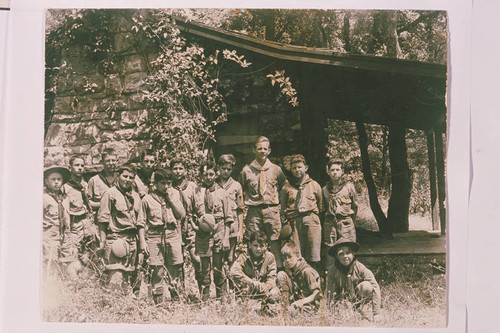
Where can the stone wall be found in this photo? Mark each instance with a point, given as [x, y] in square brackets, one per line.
[95, 108]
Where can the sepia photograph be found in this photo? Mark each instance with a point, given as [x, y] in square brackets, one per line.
[237, 166]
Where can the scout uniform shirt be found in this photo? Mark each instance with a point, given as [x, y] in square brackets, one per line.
[339, 201]
[119, 209]
[156, 215]
[261, 184]
[98, 185]
[55, 219]
[212, 201]
[235, 196]
[301, 199]
[245, 270]
[341, 283]
[305, 280]
[79, 209]
[187, 189]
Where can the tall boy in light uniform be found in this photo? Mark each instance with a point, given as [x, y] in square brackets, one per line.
[211, 203]
[234, 191]
[187, 189]
[160, 237]
[301, 201]
[261, 181]
[105, 179]
[340, 208]
[82, 227]
[56, 250]
[117, 221]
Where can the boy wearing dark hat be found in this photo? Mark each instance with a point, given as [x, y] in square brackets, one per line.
[212, 200]
[350, 280]
[56, 246]
[160, 237]
[117, 221]
[340, 209]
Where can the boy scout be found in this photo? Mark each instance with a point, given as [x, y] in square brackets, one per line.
[254, 271]
[339, 196]
[348, 279]
[261, 181]
[82, 228]
[56, 249]
[117, 223]
[160, 237]
[187, 189]
[301, 201]
[212, 206]
[299, 282]
[233, 189]
[101, 182]
[144, 177]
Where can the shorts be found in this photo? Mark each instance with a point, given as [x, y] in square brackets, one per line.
[309, 232]
[266, 219]
[234, 227]
[335, 228]
[208, 242]
[164, 252]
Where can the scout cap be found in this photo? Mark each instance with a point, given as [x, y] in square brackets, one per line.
[207, 222]
[120, 248]
[340, 242]
[65, 173]
[286, 231]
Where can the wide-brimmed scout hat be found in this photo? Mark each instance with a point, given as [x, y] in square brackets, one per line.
[343, 242]
[207, 222]
[65, 173]
[120, 248]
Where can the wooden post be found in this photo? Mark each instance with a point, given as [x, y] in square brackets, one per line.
[432, 179]
[441, 180]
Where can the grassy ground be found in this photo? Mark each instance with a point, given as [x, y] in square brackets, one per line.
[409, 299]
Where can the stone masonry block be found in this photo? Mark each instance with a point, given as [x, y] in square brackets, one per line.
[63, 105]
[123, 42]
[134, 64]
[113, 84]
[134, 82]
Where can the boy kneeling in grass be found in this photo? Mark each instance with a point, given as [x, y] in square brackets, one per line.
[299, 282]
[254, 271]
[350, 280]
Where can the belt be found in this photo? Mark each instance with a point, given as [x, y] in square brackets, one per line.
[266, 205]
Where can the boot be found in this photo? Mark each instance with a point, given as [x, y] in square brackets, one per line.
[205, 293]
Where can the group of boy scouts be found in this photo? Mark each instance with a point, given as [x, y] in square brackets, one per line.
[282, 241]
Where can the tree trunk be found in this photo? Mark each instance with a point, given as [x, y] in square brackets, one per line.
[383, 168]
[346, 30]
[399, 203]
[383, 224]
[269, 23]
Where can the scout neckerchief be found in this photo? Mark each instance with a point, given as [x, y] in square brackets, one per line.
[58, 197]
[333, 190]
[209, 200]
[227, 185]
[129, 200]
[347, 273]
[161, 200]
[262, 175]
[104, 179]
[77, 185]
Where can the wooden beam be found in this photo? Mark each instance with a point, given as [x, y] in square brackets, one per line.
[440, 164]
[432, 180]
[312, 55]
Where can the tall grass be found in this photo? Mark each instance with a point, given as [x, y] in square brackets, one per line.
[409, 299]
